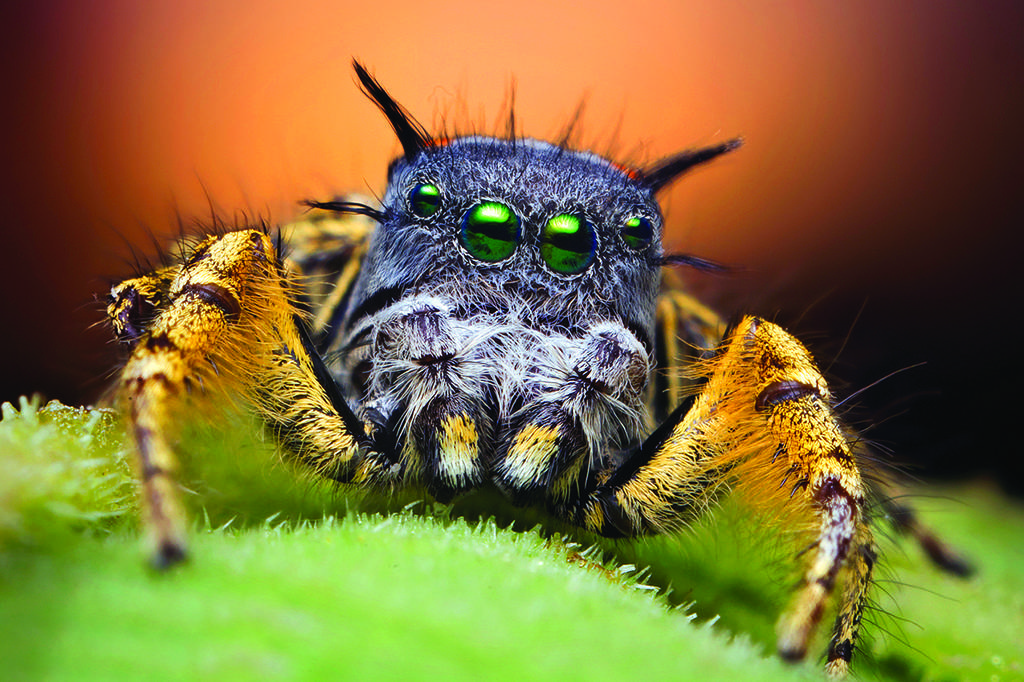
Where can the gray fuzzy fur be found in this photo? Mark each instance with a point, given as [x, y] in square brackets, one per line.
[511, 338]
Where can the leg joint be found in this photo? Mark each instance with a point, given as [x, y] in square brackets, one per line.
[217, 296]
[783, 391]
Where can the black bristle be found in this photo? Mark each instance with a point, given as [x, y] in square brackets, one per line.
[347, 207]
[410, 132]
[666, 171]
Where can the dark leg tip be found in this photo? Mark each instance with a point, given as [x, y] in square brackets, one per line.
[841, 651]
[957, 565]
[945, 558]
[167, 555]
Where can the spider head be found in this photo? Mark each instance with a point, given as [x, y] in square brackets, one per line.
[565, 230]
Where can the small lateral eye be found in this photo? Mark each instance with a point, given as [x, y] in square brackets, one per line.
[425, 198]
[567, 244]
[490, 231]
[638, 233]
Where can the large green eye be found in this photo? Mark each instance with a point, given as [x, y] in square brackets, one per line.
[490, 231]
[567, 244]
[425, 198]
[638, 233]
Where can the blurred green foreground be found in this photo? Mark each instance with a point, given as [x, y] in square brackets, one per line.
[290, 579]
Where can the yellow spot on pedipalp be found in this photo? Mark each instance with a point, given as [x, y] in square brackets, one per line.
[459, 446]
[531, 453]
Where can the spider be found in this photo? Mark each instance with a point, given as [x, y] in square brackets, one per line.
[501, 319]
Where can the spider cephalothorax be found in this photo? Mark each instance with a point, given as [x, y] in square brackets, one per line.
[502, 322]
[511, 285]
[510, 289]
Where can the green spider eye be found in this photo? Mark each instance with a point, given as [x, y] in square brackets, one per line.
[425, 199]
[567, 244]
[490, 231]
[638, 233]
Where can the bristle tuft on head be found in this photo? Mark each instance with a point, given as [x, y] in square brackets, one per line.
[411, 134]
[666, 171]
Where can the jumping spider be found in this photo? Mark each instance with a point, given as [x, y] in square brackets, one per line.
[501, 320]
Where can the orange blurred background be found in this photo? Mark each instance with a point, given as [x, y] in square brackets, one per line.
[877, 189]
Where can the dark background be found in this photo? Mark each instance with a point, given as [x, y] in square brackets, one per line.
[875, 206]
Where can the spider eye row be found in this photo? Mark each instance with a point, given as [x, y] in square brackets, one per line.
[491, 231]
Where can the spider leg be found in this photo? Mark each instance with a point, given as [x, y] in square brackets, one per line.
[328, 250]
[228, 316]
[688, 331]
[906, 522]
[763, 415]
[132, 303]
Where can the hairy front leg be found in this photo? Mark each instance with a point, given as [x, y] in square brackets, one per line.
[227, 319]
[762, 425]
